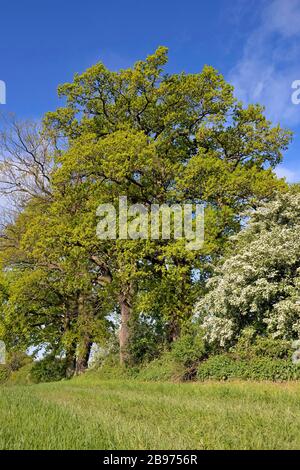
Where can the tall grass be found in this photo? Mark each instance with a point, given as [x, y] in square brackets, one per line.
[87, 413]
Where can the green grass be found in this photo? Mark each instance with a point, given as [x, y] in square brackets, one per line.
[88, 413]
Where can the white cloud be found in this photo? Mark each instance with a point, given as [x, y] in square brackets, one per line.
[269, 62]
[283, 16]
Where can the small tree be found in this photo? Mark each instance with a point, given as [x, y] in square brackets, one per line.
[259, 284]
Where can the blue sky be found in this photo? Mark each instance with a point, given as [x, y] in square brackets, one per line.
[254, 43]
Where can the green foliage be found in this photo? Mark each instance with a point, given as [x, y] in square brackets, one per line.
[18, 365]
[4, 373]
[147, 339]
[249, 346]
[178, 363]
[110, 368]
[224, 367]
[48, 369]
[190, 348]
[165, 368]
[254, 357]
[17, 359]
[21, 376]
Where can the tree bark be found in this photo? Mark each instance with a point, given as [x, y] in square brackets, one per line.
[84, 342]
[71, 361]
[174, 331]
[125, 301]
[84, 349]
[71, 348]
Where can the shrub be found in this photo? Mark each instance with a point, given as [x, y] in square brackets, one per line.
[17, 359]
[225, 367]
[21, 376]
[4, 373]
[162, 369]
[110, 368]
[49, 369]
[147, 339]
[189, 349]
[269, 347]
[249, 347]
[218, 368]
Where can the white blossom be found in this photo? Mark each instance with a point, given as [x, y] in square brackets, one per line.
[259, 284]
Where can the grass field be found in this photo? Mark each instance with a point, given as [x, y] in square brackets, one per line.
[87, 413]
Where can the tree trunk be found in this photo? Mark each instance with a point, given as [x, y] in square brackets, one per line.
[84, 342]
[174, 331]
[84, 349]
[125, 301]
[71, 361]
[71, 348]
